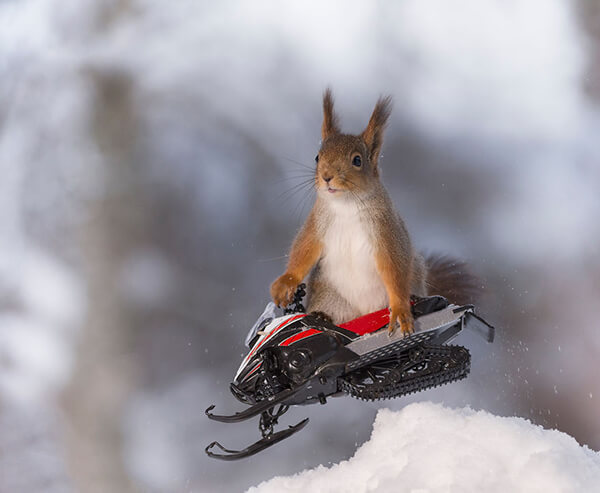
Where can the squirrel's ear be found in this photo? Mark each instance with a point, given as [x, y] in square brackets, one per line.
[330, 121]
[373, 134]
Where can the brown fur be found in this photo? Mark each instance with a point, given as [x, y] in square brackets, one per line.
[305, 252]
[341, 187]
[373, 134]
[451, 279]
[330, 120]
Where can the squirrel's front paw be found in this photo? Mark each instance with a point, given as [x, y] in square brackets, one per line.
[283, 289]
[403, 315]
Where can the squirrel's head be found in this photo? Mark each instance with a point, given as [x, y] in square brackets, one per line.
[347, 164]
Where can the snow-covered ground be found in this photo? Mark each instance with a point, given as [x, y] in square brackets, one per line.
[430, 448]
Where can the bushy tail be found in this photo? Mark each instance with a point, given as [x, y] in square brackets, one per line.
[451, 279]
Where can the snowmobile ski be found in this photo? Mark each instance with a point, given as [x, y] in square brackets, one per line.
[256, 447]
[254, 410]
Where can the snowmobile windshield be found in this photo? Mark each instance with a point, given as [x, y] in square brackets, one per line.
[269, 313]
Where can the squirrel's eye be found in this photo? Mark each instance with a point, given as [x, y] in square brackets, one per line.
[357, 161]
[317, 158]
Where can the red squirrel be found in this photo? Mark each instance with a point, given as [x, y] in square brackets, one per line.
[353, 245]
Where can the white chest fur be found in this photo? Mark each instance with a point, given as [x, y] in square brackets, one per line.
[348, 261]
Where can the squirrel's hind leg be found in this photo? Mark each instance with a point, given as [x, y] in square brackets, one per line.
[325, 299]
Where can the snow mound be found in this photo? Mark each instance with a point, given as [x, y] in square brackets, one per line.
[429, 448]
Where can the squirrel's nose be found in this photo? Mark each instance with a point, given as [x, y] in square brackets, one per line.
[327, 178]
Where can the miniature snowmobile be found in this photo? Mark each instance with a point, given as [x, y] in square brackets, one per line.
[299, 358]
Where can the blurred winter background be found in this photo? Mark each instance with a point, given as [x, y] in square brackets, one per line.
[149, 154]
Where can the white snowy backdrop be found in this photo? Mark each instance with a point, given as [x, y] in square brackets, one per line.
[146, 149]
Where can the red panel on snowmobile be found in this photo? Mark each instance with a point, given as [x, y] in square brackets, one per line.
[299, 336]
[284, 323]
[368, 323]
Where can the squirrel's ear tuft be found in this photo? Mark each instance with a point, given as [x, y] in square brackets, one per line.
[330, 119]
[373, 134]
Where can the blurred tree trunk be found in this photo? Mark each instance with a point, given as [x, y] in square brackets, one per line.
[105, 371]
[588, 13]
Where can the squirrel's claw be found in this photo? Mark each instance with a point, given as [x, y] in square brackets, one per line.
[283, 289]
[408, 327]
[407, 324]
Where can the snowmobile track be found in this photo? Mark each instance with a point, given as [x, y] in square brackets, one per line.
[425, 367]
